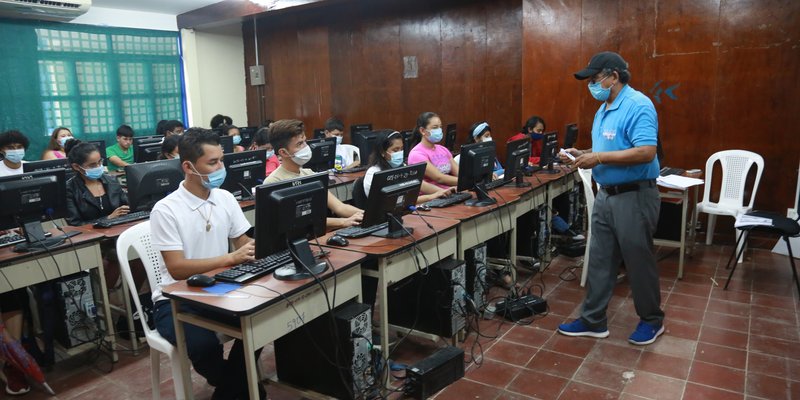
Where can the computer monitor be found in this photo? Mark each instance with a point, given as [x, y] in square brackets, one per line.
[517, 154]
[549, 153]
[247, 133]
[571, 135]
[151, 181]
[30, 198]
[391, 195]
[101, 147]
[227, 144]
[408, 141]
[323, 154]
[319, 133]
[144, 152]
[49, 165]
[450, 133]
[360, 128]
[475, 170]
[365, 141]
[288, 213]
[245, 171]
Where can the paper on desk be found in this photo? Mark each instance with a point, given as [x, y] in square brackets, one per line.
[221, 288]
[749, 220]
[678, 182]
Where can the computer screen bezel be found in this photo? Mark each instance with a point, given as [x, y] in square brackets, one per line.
[256, 161]
[319, 159]
[385, 186]
[138, 174]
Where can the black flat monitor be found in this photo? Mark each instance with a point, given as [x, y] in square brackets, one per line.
[227, 144]
[365, 141]
[475, 170]
[360, 128]
[144, 152]
[571, 136]
[247, 133]
[147, 139]
[323, 154]
[49, 165]
[450, 134]
[549, 153]
[319, 133]
[151, 181]
[29, 199]
[392, 193]
[408, 142]
[245, 170]
[518, 153]
[288, 214]
[101, 147]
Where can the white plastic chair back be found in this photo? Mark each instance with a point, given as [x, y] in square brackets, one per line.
[588, 192]
[735, 166]
[138, 238]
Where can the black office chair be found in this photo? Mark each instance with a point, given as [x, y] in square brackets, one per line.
[782, 226]
[359, 197]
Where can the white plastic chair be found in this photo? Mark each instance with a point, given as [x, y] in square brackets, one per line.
[588, 192]
[138, 238]
[735, 166]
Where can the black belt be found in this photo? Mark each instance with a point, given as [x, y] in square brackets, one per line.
[614, 190]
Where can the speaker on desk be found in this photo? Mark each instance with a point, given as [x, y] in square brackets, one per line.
[433, 301]
[476, 274]
[75, 300]
[302, 356]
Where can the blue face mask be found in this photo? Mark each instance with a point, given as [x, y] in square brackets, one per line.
[215, 178]
[436, 135]
[237, 139]
[63, 140]
[536, 136]
[15, 155]
[599, 92]
[94, 173]
[396, 159]
[270, 153]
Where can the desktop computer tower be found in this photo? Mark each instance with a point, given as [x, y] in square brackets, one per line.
[541, 232]
[302, 356]
[432, 302]
[75, 301]
[476, 274]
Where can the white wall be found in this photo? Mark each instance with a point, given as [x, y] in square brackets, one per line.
[128, 19]
[215, 74]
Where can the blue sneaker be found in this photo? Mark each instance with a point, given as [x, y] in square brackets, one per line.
[645, 333]
[578, 328]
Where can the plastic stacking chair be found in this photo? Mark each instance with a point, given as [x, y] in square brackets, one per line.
[588, 192]
[735, 166]
[138, 238]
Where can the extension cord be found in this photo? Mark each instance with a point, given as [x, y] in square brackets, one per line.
[521, 307]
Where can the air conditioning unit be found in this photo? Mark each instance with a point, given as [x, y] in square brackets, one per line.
[48, 10]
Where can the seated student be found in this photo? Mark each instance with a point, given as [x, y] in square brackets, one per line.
[172, 127]
[56, 145]
[230, 130]
[442, 170]
[347, 155]
[91, 193]
[13, 145]
[219, 120]
[121, 154]
[192, 228]
[289, 141]
[387, 153]
[482, 132]
[169, 148]
[261, 142]
[533, 129]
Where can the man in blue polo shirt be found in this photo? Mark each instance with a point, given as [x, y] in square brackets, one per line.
[625, 215]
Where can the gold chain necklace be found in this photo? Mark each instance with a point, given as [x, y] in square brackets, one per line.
[207, 218]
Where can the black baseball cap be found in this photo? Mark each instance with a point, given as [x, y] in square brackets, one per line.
[601, 61]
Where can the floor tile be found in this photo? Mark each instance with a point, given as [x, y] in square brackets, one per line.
[582, 391]
[725, 356]
[722, 337]
[555, 363]
[694, 391]
[529, 336]
[574, 346]
[626, 356]
[604, 375]
[537, 384]
[493, 373]
[512, 353]
[675, 347]
[673, 367]
[717, 376]
[656, 387]
[467, 389]
[768, 387]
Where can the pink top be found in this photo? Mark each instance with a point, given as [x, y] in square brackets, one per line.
[59, 154]
[439, 156]
[272, 164]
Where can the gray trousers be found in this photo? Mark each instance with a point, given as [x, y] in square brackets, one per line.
[622, 230]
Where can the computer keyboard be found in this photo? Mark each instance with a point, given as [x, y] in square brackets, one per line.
[8, 240]
[256, 269]
[495, 184]
[448, 201]
[354, 169]
[358, 231]
[134, 216]
[672, 171]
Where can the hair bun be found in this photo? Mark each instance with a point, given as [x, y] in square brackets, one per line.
[70, 144]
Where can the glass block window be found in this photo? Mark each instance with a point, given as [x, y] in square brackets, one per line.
[98, 116]
[59, 113]
[93, 78]
[138, 113]
[157, 46]
[53, 78]
[165, 78]
[71, 41]
[132, 78]
[168, 108]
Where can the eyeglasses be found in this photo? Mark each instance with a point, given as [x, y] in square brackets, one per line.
[99, 163]
[594, 79]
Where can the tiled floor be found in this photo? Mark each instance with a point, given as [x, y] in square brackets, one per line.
[736, 344]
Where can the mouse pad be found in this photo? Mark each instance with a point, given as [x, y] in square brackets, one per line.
[221, 288]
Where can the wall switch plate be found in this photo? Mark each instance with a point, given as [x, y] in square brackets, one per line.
[256, 75]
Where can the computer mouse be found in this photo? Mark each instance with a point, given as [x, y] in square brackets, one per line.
[200, 280]
[337, 240]
[423, 207]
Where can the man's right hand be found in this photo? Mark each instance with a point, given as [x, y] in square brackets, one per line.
[244, 254]
[575, 153]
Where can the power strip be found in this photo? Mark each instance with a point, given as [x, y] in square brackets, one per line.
[521, 307]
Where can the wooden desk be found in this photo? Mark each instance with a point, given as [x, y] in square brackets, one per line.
[265, 315]
[396, 260]
[19, 270]
[688, 222]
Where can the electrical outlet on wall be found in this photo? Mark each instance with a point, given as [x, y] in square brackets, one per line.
[256, 75]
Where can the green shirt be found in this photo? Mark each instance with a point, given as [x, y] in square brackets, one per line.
[115, 150]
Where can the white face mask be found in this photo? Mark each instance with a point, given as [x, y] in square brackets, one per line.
[302, 156]
[487, 139]
[338, 140]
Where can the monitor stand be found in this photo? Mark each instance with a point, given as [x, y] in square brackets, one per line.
[305, 265]
[36, 239]
[548, 169]
[395, 229]
[520, 179]
[482, 197]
